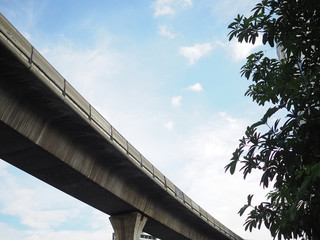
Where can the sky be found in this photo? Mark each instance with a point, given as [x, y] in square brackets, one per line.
[164, 74]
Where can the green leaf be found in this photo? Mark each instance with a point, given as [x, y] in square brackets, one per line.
[253, 39]
[264, 38]
[269, 113]
[271, 40]
[243, 209]
[231, 167]
[249, 199]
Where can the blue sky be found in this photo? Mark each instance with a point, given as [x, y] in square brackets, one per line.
[162, 73]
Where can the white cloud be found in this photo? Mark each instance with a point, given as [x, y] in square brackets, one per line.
[26, 206]
[239, 51]
[163, 10]
[169, 125]
[216, 138]
[9, 233]
[187, 3]
[195, 87]
[196, 52]
[70, 235]
[176, 101]
[163, 31]
[29, 203]
[169, 7]
[98, 63]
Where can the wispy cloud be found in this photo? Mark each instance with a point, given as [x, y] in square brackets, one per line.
[99, 63]
[164, 31]
[26, 204]
[226, 10]
[70, 235]
[195, 52]
[169, 125]
[169, 7]
[195, 87]
[176, 101]
[8, 232]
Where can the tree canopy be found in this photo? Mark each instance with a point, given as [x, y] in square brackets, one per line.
[285, 150]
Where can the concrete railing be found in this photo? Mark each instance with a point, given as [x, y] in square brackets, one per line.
[52, 78]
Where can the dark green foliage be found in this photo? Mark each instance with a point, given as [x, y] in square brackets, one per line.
[287, 150]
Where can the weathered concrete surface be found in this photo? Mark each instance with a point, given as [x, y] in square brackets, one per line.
[45, 134]
[128, 226]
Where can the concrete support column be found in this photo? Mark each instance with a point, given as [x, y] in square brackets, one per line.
[128, 226]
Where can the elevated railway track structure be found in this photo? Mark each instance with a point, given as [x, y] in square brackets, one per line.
[51, 132]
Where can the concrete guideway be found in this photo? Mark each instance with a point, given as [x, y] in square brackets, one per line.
[50, 131]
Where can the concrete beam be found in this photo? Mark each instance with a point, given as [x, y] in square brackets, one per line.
[128, 226]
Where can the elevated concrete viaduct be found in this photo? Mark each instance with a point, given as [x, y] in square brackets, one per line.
[50, 131]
